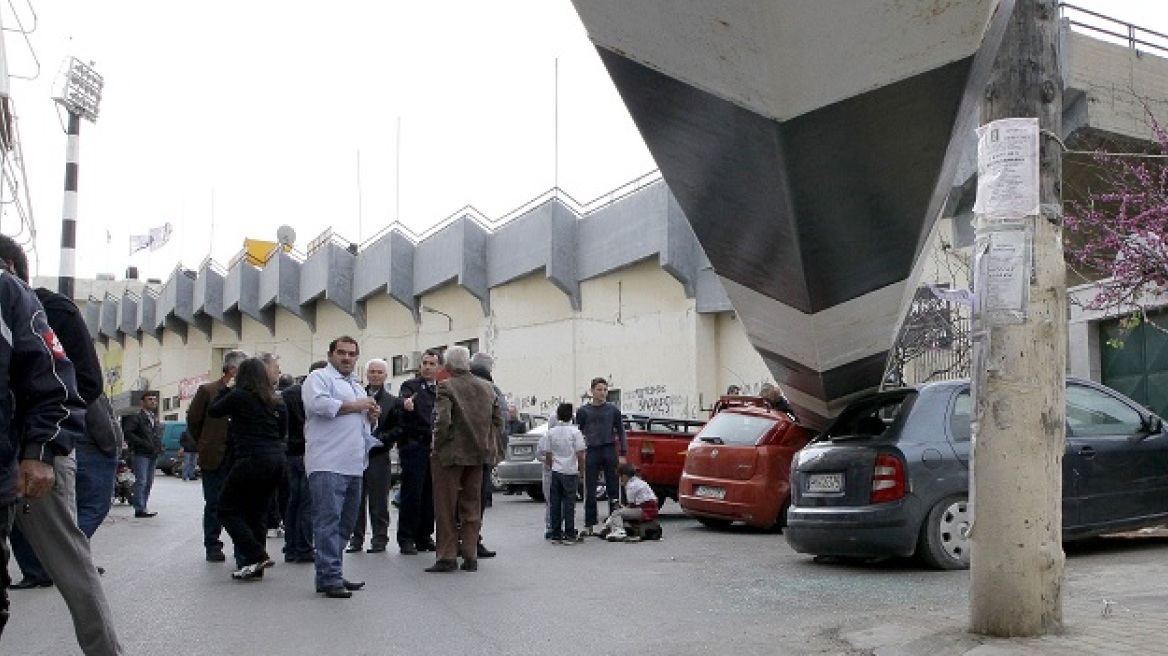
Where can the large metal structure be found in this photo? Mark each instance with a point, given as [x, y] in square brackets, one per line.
[811, 145]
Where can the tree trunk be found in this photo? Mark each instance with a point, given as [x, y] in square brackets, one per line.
[1019, 422]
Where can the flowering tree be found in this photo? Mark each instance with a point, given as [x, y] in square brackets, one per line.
[1121, 232]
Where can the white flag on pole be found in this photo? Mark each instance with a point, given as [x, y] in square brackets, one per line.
[155, 239]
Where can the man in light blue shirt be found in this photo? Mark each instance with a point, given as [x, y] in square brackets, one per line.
[339, 416]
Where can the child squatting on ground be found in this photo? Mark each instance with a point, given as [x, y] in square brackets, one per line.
[562, 450]
[641, 507]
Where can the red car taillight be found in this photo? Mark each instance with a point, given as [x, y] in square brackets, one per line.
[887, 479]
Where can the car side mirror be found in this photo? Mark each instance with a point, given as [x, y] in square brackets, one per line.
[1154, 424]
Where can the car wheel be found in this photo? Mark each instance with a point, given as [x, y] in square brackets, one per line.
[535, 492]
[709, 522]
[944, 541]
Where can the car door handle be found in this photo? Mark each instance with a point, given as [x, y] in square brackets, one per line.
[1087, 452]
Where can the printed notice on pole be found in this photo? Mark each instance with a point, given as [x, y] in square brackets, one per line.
[1007, 169]
[1002, 264]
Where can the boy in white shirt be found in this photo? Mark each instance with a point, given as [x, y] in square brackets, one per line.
[562, 448]
[641, 507]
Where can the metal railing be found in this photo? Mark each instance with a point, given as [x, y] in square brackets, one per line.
[1113, 30]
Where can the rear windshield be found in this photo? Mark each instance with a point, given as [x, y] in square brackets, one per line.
[869, 417]
[733, 428]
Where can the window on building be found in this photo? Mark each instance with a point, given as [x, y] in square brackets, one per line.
[400, 364]
[175, 402]
[471, 345]
[166, 403]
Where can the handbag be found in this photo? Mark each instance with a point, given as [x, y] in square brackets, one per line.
[101, 426]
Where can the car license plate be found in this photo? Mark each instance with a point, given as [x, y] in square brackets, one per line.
[711, 492]
[824, 483]
[523, 450]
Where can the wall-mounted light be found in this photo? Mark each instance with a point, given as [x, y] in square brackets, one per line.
[449, 319]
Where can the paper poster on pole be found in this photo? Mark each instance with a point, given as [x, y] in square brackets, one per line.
[1002, 271]
[1007, 169]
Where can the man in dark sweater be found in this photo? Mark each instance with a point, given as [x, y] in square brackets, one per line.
[604, 433]
[298, 512]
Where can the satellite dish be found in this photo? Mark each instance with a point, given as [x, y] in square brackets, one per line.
[285, 235]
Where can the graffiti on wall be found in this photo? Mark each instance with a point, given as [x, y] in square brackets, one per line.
[655, 400]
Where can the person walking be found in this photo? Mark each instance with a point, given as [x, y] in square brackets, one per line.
[415, 518]
[210, 435]
[190, 455]
[467, 418]
[144, 437]
[259, 421]
[604, 432]
[50, 537]
[339, 417]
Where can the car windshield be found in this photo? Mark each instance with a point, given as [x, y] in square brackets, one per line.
[733, 428]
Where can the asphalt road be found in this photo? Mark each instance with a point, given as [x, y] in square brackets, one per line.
[697, 591]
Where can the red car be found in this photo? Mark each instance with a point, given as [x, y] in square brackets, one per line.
[738, 468]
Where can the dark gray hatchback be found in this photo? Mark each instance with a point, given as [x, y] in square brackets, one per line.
[890, 476]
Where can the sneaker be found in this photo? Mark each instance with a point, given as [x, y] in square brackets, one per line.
[633, 538]
[616, 535]
[569, 542]
[252, 571]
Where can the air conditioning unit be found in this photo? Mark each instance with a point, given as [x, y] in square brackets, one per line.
[411, 361]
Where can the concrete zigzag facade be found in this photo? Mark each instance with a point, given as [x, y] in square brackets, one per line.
[549, 284]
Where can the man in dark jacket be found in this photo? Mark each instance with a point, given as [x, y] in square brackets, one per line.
[144, 439]
[481, 365]
[210, 434]
[375, 482]
[298, 512]
[48, 543]
[46, 416]
[415, 519]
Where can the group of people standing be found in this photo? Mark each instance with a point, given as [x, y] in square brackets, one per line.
[328, 440]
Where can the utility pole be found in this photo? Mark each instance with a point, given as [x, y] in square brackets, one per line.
[1017, 558]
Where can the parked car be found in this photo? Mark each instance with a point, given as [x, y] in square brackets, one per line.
[170, 462]
[738, 467]
[520, 471]
[890, 475]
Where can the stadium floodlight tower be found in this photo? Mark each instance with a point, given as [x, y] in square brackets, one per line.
[80, 96]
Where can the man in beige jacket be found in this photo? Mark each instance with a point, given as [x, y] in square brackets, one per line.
[466, 420]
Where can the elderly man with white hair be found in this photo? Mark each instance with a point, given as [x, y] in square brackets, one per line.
[375, 490]
[466, 420]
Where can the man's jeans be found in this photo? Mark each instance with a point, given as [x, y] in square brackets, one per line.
[96, 474]
[597, 460]
[190, 460]
[335, 498]
[143, 467]
[298, 514]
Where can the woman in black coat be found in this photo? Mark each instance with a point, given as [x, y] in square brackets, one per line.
[259, 422]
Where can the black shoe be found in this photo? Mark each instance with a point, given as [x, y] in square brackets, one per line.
[469, 566]
[346, 584]
[375, 549]
[215, 556]
[353, 548]
[144, 513]
[427, 545]
[485, 552]
[28, 584]
[443, 566]
[408, 549]
[336, 592]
